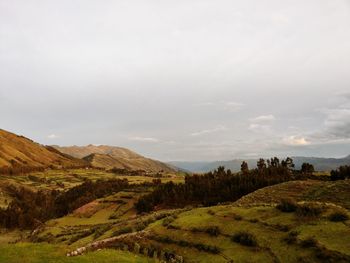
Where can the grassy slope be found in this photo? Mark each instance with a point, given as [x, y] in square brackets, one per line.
[45, 253]
[337, 192]
[24, 152]
[266, 223]
[109, 215]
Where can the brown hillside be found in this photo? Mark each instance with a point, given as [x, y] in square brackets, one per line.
[104, 156]
[20, 153]
[104, 161]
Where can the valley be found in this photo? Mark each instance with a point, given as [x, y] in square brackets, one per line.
[116, 214]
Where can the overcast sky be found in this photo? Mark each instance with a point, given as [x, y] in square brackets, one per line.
[179, 80]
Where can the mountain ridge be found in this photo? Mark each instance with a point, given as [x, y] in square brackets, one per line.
[105, 156]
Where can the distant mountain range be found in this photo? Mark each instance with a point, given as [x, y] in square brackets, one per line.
[104, 156]
[18, 151]
[320, 164]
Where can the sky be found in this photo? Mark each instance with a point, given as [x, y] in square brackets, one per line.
[189, 80]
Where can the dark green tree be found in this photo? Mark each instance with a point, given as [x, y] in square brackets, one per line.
[307, 168]
[244, 167]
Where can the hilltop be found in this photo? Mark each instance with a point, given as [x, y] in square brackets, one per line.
[18, 152]
[104, 156]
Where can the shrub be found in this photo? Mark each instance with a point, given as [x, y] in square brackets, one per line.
[309, 243]
[309, 210]
[338, 216]
[99, 231]
[213, 230]
[283, 228]
[211, 212]
[168, 220]
[287, 205]
[237, 217]
[291, 238]
[140, 226]
[245, 239]
[121, 231]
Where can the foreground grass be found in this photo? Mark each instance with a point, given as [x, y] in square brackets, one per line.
[267, 224]
[45, 253]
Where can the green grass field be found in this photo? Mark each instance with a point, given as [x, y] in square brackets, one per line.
[46, 253]
[267, 224]
[187, 232]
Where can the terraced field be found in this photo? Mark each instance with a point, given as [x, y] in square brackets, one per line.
[337, 192]
[207, 234]
[65, 179]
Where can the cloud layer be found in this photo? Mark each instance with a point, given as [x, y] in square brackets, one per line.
[181, 80]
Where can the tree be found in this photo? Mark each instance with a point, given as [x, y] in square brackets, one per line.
[307, 168]
[244, 167]
[261, 165]
[275, 162]
[343, 172]
[288, 163]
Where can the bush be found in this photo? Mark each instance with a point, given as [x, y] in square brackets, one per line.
[309, 243]
[121, 231]
[99, 231]
[237, 217]
[338, 216]
[213, 230]
[287, 205]
[140, 226]
[245, 239]
[168, 220]
[309, 210]
[211, 212]
[291, 238]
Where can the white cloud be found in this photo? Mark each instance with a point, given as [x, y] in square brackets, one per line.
[295, 141]
[264, 118]
[207, 131]
[143, 139]
[233, 106]
[261, 124]
[259, 128]
[53, 136]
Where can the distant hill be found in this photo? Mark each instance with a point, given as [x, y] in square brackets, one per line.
[104, 156]
[320, 164]
[21, 154]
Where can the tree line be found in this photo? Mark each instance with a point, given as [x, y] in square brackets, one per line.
[29, 209]
[343, 172]
[218, 186]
